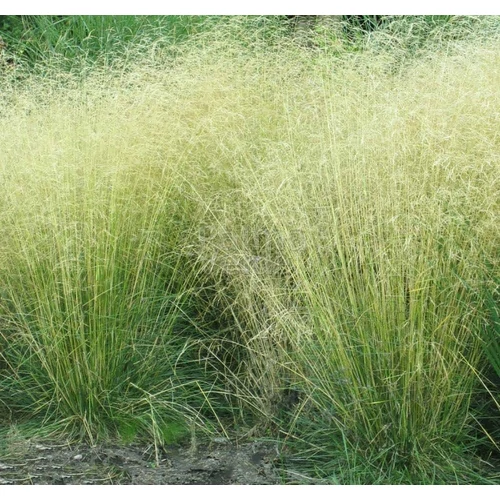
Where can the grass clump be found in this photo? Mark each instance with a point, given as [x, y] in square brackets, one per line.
[94, 290]
[354, 230]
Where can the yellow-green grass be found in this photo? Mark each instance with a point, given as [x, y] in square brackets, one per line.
[352, 249]
[338, 217]
[94, 289]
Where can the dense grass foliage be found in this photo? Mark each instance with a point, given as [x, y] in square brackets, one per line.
[294, 233]
[94, 289]
[69, 40]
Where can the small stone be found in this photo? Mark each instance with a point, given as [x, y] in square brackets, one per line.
[220, 440]
[78, 457]
[41, 447]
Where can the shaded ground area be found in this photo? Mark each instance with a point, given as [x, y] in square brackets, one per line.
[218, 463]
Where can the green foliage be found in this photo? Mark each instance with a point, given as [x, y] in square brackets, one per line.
[71, 39]
[11, 28]
[492, 327]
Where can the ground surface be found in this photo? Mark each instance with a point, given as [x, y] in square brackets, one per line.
[216, 463]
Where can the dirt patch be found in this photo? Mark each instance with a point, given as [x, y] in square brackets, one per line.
[216, 463]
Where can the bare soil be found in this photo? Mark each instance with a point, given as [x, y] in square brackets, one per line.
[216, 463]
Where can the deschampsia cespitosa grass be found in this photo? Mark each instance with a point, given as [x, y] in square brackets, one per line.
[288, 236]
